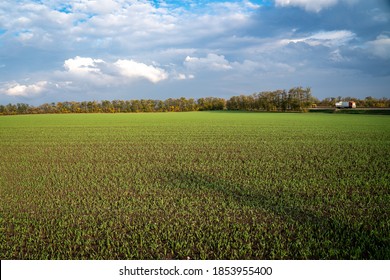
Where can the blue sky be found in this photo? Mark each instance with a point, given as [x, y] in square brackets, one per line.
[54, 50]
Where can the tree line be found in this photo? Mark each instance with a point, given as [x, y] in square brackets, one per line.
[118, 106]
[295, 99]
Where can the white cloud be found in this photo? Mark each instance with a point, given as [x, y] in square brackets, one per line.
[17, 89]
[311, 5]
[132, 69]
[101, 72]
[82, 65]
[211, 61]
[380, 47]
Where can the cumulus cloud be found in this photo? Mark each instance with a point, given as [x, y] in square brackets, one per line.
[211, 61]
[134, 70]
[85, 72]
[17, 89]
[82, 65]
[117, 72]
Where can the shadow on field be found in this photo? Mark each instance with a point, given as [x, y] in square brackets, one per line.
[324, 236]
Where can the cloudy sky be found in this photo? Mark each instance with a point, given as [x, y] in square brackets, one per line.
[55, 50]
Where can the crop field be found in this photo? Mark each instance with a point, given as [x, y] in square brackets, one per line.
[198, 185]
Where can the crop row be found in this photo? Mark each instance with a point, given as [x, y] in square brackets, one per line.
[195, 185]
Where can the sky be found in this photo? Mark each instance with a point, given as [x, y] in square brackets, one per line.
[81, 50]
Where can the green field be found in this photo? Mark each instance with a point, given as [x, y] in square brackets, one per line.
[199, 185]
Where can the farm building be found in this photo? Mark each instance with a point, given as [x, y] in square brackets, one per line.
[346, 104]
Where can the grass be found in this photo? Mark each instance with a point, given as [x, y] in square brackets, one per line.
[197, 185]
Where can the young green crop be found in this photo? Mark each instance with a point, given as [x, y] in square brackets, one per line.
[197, 185]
